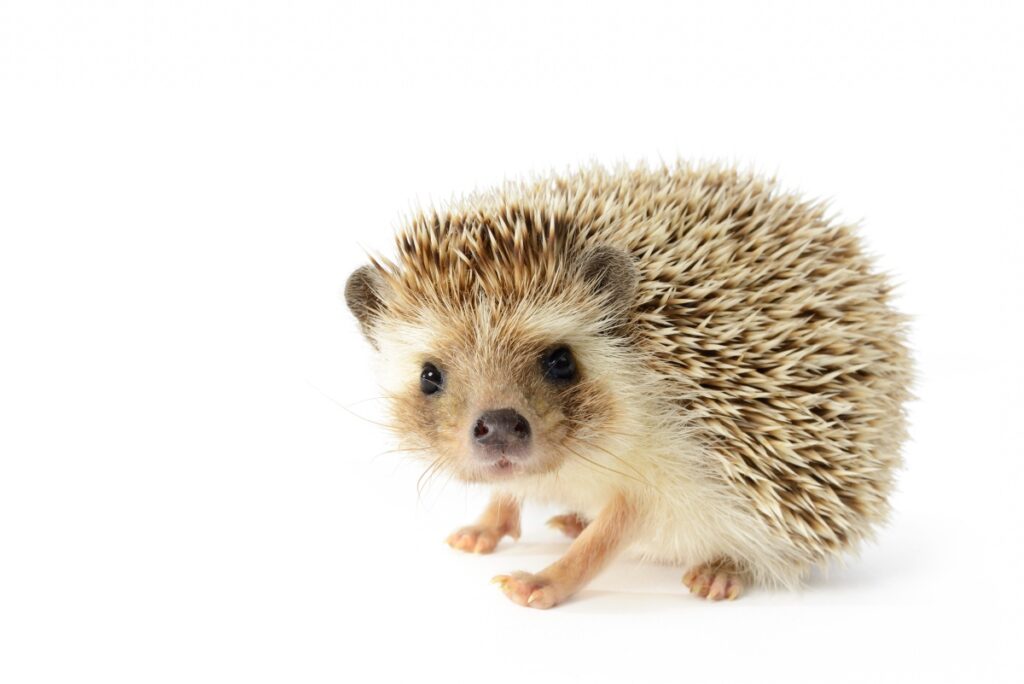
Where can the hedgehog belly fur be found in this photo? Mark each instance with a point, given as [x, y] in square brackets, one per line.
[687, 512]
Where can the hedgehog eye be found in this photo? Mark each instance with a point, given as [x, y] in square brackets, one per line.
[430, 379]
[559, 365]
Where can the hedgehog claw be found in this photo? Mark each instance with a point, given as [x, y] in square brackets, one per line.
[714, 581]
[532, 591]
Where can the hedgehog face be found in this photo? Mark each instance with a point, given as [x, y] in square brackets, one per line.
[490, 394]
[492, 388]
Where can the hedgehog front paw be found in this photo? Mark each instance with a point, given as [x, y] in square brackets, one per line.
[532, 591]
[571, 525]
[476, 538]
[714, 581]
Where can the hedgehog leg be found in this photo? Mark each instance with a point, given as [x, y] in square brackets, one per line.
[717, 580]
[500, 519]
[570, 524]
[586, 557]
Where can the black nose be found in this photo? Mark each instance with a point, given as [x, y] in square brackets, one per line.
[502, 430]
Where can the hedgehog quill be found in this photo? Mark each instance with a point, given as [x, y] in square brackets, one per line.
[698, 366]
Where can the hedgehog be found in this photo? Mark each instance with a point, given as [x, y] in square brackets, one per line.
[697, 366]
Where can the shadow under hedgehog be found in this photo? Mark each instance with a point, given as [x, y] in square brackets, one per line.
[699, 367]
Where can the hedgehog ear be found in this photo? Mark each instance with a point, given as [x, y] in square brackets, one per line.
[611, 271]
[364, 294]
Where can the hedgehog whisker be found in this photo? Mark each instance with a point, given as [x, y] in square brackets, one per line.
[400, 450]
[368, 399]
[604, 431]
[429, 473]
[451, 476]
[386, 426]
[601, 466]
[618, 458]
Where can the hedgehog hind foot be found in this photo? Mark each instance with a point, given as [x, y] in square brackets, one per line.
[570, 524]
[716, 580]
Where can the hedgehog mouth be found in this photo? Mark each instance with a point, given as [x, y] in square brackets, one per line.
[502, 467]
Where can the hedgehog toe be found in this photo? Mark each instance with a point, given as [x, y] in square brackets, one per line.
[714, 581]
[571, 525]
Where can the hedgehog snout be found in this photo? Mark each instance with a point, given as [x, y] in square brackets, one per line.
[498, 434]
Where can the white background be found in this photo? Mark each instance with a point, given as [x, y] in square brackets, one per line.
[186, 491]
